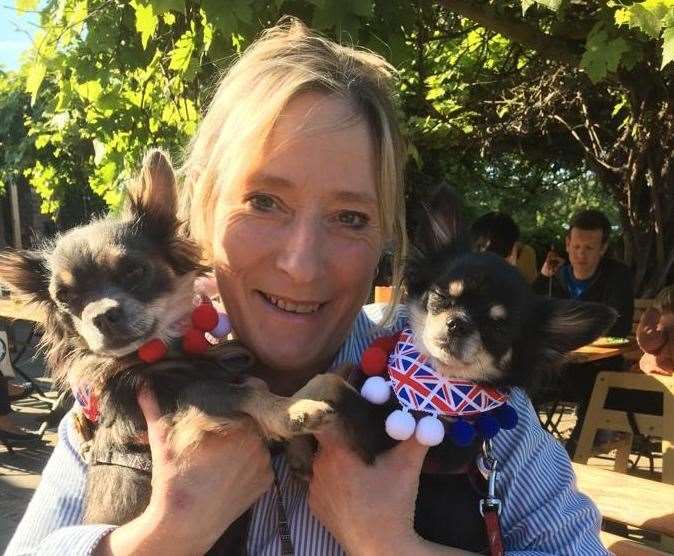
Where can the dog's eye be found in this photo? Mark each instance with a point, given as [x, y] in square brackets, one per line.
[134, 273]
[65, 295]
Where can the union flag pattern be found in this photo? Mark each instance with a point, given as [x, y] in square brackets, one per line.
[419, 387]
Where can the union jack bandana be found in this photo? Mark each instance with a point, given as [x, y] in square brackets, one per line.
[87, 400]
[419, 387]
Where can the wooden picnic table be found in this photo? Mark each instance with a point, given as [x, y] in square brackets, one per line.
[631, 501]
[17, 309]
[590, 353]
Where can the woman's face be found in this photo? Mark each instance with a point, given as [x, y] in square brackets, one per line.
[298, 240]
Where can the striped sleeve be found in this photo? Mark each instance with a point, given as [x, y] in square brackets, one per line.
[51, 525]
[543, 512]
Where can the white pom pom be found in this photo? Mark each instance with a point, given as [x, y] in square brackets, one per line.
[376, 390]
[400, 425]
[223, 327]
[430, 431]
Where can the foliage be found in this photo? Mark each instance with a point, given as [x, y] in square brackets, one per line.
[532, 105]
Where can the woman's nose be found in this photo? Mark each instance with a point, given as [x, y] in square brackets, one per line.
[301, 251]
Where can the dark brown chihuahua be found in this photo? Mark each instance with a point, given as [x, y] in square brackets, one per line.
[109, 287]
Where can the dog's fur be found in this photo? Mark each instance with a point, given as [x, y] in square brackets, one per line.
[107, 288]
[477, 319]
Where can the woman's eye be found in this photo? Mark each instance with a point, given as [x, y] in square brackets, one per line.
[263, 202]
[352, 219]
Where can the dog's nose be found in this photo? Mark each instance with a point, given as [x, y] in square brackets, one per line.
[108, 319]
[457, 326]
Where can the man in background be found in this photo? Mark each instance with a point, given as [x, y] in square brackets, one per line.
[589, 275]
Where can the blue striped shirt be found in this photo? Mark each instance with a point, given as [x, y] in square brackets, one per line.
[543, 513]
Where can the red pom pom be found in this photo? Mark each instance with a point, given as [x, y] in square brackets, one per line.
[374, 360]
[205, 317]
[152, 351]
[387, 343]
[194, 342]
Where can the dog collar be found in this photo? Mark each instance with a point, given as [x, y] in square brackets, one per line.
[396, 366]
[205, 321]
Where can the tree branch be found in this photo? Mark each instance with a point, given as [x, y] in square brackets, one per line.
[550, 47]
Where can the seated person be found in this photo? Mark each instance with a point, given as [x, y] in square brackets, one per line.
[497, 232]
[655, 335]
[589, 275]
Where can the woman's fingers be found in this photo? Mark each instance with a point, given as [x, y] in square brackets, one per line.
[408, 455]
[157, 428]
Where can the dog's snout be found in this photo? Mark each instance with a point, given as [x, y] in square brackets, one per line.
[457, 326]
[108, 319]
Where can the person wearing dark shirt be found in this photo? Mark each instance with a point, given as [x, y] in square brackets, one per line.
[589, 275]
[498, 233]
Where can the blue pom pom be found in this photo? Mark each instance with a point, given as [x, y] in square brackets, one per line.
[487, 425]
[507, 417]
[462, 433]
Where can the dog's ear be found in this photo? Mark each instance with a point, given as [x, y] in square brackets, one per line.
[442, 223]
[439, 236]
[153, 196]
[27, 273]
[566, 325]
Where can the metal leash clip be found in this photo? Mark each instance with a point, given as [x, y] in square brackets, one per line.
[487, 465]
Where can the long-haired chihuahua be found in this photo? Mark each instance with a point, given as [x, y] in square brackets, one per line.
[108, 288]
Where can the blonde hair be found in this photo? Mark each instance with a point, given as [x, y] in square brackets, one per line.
[289, 59]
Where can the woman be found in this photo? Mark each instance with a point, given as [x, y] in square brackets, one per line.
[293, 188]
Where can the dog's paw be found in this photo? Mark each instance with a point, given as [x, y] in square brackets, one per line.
[300, 456]
[85, 451]
[307, 416]
[301, 468]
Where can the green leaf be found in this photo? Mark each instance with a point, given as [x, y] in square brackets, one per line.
[526, 4]
[435, 92]
[146, 22]
[550, 4]
[26, 5]
[89, 90]
[220, 15]
[161, 6]
[36, 73]
[182, 53]
[648, 17]
[602, 53]
[667, 46]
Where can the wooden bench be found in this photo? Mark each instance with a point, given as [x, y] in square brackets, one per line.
[629, 500]
[597, 417]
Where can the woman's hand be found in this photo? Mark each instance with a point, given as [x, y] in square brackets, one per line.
[194, 500]
[368, 508]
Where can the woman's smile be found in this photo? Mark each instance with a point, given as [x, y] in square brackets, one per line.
[290, 306]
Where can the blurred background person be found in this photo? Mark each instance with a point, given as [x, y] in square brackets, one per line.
[499, 233]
